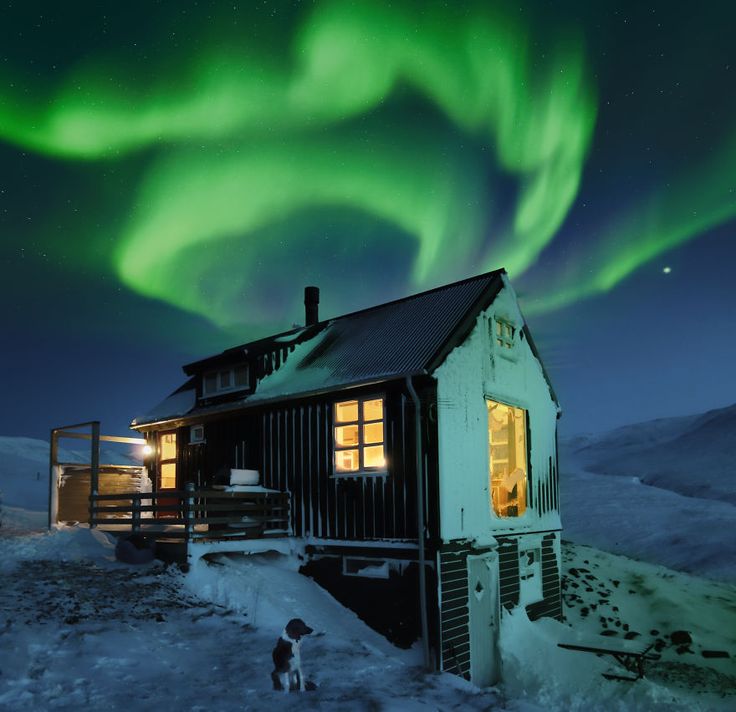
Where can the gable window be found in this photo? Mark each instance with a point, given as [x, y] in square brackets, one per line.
[504, 333]
[359, 435]
[509, 467]
[226, 380]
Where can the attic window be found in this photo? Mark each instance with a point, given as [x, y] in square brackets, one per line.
[226, 380]
[504, 334]
[359, 435]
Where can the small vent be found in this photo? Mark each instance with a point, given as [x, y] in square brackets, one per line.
[196, 434]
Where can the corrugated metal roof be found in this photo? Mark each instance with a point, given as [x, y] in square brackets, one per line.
[407, 336]
[397, 338]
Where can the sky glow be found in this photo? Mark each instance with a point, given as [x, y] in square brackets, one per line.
[239, 140]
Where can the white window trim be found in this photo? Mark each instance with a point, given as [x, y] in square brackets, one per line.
[361, 471]
[230, 389]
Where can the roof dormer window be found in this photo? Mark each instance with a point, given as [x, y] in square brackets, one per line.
[225, 380]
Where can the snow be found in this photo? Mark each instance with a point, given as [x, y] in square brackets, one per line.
[649, 506]
[691, 455]
[471, 371]
[79, 629]
[24, 468]
[177, 404]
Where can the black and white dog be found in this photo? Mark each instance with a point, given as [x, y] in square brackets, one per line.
[287, 673]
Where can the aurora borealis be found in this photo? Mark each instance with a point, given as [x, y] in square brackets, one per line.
[173, 174]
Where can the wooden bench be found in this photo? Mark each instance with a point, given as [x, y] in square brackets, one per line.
[628, 653]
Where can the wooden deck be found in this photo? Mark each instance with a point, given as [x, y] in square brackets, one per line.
[195, 519]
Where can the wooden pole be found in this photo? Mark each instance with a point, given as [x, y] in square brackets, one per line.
[136, 514]
[188, 517]
[53, 444]
[94, 474]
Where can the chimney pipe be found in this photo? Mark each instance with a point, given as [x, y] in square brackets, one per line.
[311, 305]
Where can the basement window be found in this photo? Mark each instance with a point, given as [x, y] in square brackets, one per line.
[508, 458]
[226, 380]
[359, 436]
[368, 568]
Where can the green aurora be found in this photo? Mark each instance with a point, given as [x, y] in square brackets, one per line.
[239, 139]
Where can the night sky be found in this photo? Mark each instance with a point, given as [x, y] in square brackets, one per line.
[173, 174]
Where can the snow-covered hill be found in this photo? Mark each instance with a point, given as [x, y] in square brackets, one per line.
[692, 455]
[24, 468]
[663, 491]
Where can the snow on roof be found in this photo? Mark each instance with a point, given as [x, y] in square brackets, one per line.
[179, 403]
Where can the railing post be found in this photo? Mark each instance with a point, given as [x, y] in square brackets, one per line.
[94, 473]
[189, 511]
[136, 514]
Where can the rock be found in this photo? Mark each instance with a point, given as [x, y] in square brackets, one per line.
[681, 637]
[134, 549]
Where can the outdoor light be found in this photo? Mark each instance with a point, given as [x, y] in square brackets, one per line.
[147, 451]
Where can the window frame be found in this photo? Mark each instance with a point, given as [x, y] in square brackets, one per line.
[504, 344]
[362, 470]
[528, 451]
[230, 371]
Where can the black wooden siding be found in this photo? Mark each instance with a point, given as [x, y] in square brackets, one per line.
[291, 445]
[296, 455]
[454, 611]
[551, 604]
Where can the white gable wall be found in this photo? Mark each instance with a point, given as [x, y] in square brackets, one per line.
[474, 371]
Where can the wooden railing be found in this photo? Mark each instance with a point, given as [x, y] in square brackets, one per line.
[195, 514]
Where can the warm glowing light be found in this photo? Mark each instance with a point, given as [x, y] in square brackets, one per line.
[147, 451]
[508, 459]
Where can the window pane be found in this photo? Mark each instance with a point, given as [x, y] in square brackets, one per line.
[224, 379]
[346, 412]
[373, 456]
[241, 376]
[346, 460]
[499, 328]
[346, 435]
[373, 432]
[168, 476]
[210, 383]
[508, 459]
[373, 409]
[168, 446]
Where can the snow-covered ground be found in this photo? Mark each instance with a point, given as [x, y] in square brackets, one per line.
[78, 628]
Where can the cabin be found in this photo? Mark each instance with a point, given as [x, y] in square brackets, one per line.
[409, 449]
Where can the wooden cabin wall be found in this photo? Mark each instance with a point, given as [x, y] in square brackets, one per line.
[296, 455]
[230, 442]
[291, 445]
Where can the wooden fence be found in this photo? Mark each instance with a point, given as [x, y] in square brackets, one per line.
[193, 514]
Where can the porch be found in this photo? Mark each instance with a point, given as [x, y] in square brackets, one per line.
[119, 499]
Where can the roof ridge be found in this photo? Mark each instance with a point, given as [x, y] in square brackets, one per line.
[320, 325]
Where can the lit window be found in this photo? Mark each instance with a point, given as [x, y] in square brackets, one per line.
[508, 458]
[167, 461]
[359, 435]
[226, 380]
[503, 334]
